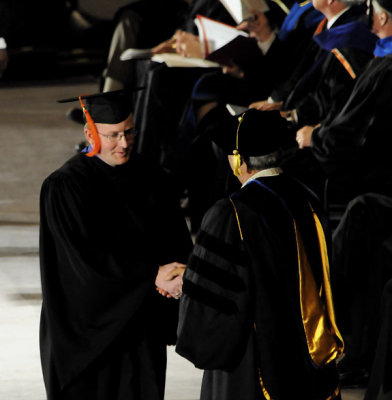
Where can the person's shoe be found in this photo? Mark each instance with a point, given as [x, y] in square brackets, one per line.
[355, 378]
[352, 373]
[76, 115]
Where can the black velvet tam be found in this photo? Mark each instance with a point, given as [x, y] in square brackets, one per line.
[259, 133]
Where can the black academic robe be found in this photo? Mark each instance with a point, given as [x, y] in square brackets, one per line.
[262, 72]
[323, 89]
[380, 383]
[354, 148]
[361, 267]
[307, 76]
[104, 232]
[243, 314]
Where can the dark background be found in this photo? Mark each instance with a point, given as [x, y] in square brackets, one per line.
[56, 38]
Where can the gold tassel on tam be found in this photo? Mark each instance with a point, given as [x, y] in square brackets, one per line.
[237, 163]
[97, 141]
[236, 154]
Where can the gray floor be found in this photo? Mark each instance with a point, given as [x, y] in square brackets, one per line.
[36, 138]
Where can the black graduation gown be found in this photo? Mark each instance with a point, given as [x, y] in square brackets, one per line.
[380, 383]
[321, 94]
[104, 231]
[299, 83]
[240, 314]
[354, 148]
[360, 269]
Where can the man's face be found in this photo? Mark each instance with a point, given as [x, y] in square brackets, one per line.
[116, 141]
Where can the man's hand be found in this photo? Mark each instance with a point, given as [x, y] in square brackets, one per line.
[264, 105]
[169, 279]
[304, 136]
[168, 46]
[188, 45]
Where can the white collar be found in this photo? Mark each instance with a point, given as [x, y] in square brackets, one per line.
[264, 172]
[264, 46]
[335, 17]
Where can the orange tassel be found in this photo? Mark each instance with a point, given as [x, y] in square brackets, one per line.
[97, 142]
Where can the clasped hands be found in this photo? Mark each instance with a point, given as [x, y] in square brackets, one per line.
[169, 279]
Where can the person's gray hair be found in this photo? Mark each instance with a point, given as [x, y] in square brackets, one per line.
[271, 160]
[377, 8]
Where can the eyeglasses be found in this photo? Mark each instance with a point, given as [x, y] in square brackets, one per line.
[116, 137]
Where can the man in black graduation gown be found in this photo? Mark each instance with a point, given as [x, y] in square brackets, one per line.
[338, 53]
[108, 221]
[322, 83]
[257, 311]
[353, 148]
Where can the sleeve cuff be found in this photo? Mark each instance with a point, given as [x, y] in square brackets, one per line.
[3, 44]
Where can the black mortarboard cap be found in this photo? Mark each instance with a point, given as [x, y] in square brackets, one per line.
[253, 133]
[107, 107]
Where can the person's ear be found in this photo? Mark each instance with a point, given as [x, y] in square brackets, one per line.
[383, 18]
[88, 135]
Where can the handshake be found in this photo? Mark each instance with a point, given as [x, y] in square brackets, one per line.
[169, 280]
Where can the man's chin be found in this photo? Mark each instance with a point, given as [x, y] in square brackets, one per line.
[122, 159]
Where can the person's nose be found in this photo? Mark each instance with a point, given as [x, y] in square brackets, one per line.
[123, 141]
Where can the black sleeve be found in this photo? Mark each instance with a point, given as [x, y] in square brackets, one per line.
[334, 88]
[214, 305]
[360, 127]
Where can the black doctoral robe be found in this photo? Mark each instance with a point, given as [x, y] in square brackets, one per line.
[362, 245]
[380, 383]
[354, 148]
[104, 231]
[323, 90]
[255, 288]
[306, 76]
